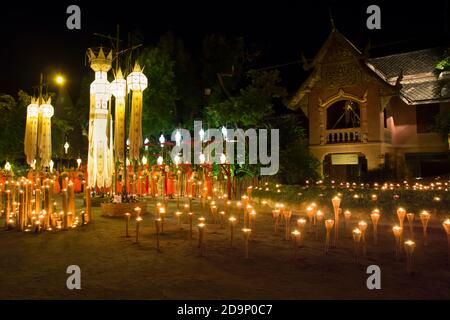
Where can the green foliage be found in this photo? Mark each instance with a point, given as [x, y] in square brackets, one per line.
[443, 64]
[296, 164]
[251, 105]
[187, 82]
[12, 123]
[159, 106]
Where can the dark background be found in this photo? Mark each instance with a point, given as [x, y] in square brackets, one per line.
[34, 37]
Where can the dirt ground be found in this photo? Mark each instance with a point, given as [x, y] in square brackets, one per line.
[115, 267]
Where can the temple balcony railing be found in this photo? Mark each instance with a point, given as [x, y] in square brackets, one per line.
[350, 135]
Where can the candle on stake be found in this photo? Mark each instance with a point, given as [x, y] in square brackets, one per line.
[409, 249]
[190, 225]
[201, 231]
[252, 219]
[157, 231]
[410, 217]
[138, 223]
[296, 240]
[178, 216]
[375, 217]
[356, 241]
[247, 233]
[310, 215]
[336, 201]
[446, 225]
[347, 217]
[232, 221]
[425, 218]
[222, 215]
[362, 225]
[127, 224]
[319, 226]
[276, 217]
[397, 230]
[401, 213]
[329, 223]
[287, 219]
[239, 206]
[301, 223]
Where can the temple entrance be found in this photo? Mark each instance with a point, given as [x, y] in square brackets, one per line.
[344, 167]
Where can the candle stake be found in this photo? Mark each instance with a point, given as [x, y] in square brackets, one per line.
[425, 218]
[409, 249]
[127, 224]
[329, 226]
[138, 222]
[356, 240]
[247, 232]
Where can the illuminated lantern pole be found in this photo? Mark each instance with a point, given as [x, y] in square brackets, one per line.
[137, 83]
[31, 131]
[118, 89]
[45, 133]
[99, 164]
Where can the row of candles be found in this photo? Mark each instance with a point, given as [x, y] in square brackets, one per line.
[31, 206]
[315, 217]
[245, 209]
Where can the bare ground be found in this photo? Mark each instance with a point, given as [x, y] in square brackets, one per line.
[115, 267]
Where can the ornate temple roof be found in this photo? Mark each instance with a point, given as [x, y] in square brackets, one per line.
[412, 75]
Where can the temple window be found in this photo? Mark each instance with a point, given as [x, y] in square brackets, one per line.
[343, 114]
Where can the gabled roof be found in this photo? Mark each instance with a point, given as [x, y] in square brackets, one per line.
[335, 37]
[415, 71]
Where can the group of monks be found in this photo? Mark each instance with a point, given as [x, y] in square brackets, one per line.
[169, 181]
[145, 180]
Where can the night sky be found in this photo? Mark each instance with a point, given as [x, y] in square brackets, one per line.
[35, 38]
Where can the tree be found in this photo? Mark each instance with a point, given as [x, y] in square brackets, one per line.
[296, 164]
[186, 80]
[12, 123]
[252, 104]
[159, 106]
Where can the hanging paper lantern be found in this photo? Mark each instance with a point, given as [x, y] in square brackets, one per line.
[136, 82]
[118, 89]
[31, 131]
[99, 156]
[45, 146]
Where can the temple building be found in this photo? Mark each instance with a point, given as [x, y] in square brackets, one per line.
[370, 114]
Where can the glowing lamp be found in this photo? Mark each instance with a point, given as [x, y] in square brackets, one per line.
[66, 147]
[137, 81]
[47, 110]
[202, 158]
[162, 140]
[118, 86]
[223, 158]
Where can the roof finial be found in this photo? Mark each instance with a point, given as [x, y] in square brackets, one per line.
[333, 27]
